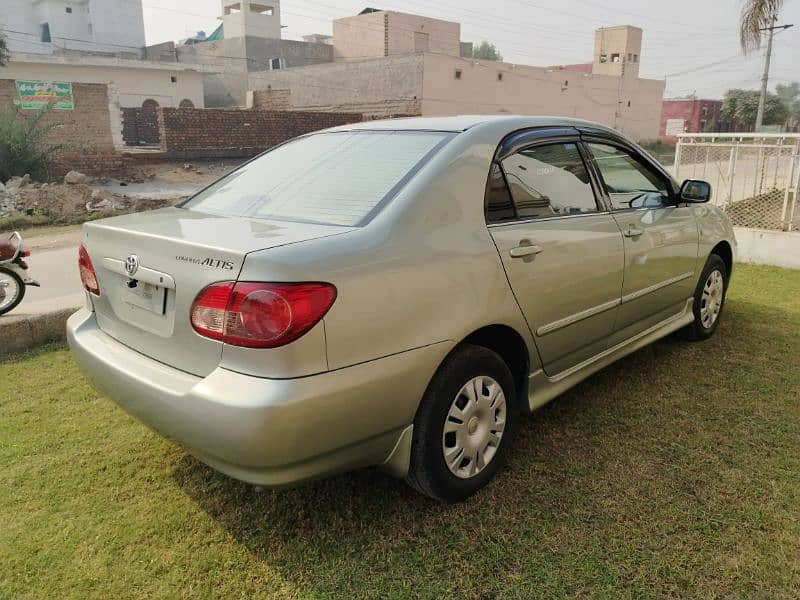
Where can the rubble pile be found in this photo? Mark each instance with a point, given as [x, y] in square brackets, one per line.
[66, 201]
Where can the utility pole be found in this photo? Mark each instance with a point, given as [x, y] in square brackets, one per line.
[762, 100]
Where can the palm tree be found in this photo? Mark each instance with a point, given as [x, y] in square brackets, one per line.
[756, 15]
[3, 51]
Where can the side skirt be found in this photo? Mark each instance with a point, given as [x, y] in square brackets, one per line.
[542, 389]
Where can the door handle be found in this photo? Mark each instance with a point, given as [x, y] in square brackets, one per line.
[526, 250]
[632, 232]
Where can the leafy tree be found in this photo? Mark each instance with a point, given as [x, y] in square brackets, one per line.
[486, 51]
[3, 51]
[24, 146]
[789, 94]
[756, 15]
[741, 106]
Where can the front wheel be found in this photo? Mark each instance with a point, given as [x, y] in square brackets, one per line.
[709, 299]
[12, 290]
[463, 426]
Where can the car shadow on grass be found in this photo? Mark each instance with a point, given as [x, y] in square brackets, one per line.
[612, 468]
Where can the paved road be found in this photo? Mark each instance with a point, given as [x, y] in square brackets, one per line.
[57, 271]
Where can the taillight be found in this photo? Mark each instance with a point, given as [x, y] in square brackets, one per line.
[88, 276]
[24, 252]
[260, 315]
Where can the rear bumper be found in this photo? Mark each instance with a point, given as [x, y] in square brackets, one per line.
[269, 432]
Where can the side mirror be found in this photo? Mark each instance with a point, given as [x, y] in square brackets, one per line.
[695, 191]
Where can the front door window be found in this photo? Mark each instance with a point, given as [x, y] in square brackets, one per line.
[628, 182]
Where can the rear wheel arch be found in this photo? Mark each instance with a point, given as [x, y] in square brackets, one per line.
[510, 346]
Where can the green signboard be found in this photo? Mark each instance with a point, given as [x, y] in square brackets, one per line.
[35, 95]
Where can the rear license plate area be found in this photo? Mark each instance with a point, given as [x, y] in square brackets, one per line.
[145, 296]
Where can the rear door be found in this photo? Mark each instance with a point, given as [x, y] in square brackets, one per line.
[661, 236]
[562, 251]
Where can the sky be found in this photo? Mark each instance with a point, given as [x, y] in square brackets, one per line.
[692, 44]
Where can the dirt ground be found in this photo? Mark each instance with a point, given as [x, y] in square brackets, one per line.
[199, 173]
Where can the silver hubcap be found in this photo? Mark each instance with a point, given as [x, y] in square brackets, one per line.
[9, 290]
[474, 427]
[711, 301]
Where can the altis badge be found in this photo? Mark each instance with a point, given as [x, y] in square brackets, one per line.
[214, 263]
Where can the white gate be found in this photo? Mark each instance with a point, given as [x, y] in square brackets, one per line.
[755, 177]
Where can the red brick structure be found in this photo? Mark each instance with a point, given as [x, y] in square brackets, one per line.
[140, 126]
[194, 133]
[85, 131]
[688, 115]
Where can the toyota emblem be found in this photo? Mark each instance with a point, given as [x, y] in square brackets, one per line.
[131, 265]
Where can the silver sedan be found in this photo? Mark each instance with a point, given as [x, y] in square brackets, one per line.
[395, 293]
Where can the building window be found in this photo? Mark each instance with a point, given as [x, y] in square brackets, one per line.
[458, 73]
[500, 76]
[69, 10]
[702, 125]
[262, 9]
[232, 9]
[635, 58]
[603, 58]
[173, 78]
[45, 33]
[615, 57]
[630, 57]
[275, 64]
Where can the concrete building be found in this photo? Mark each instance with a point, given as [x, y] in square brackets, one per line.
[688, 115]
[47, 26]
[384, 66]
[137, 82]
[94, 41]
[617, 51]
[247, 41]
[377, 33]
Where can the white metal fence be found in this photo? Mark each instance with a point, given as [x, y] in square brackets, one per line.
[755, 177]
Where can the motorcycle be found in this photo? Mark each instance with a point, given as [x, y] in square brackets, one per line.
[14, 276]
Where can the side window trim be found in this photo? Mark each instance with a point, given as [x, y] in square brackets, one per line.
[601, 197]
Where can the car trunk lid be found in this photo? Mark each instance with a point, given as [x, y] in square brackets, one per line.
[176, 253]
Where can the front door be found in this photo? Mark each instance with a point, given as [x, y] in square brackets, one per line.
[562, 254]
[661, 238]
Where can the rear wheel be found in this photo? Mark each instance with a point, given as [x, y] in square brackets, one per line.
[463, 426]
[709, 299]
[12, 290]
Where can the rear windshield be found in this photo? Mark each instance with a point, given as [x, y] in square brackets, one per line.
[332, 178]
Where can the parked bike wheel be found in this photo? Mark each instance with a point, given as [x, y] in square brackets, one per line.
[12, 290]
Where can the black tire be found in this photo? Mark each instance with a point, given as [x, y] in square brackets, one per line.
[697, 331]
[20, 296]
[429, 473]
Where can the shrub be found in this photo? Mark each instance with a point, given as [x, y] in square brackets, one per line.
[23, 143]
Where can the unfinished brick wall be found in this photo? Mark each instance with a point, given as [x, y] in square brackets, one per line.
[85, 131]
[140, 126]
[216, 133]
[272, 100]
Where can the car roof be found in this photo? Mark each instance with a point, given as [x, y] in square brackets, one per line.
[464, 122]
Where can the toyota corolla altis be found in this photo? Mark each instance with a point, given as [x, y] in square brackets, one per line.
[395, 293]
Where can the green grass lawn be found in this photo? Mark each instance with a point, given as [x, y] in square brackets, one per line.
[674, 473]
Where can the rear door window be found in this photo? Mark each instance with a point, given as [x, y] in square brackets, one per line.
[549, 180]
[337, 178]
